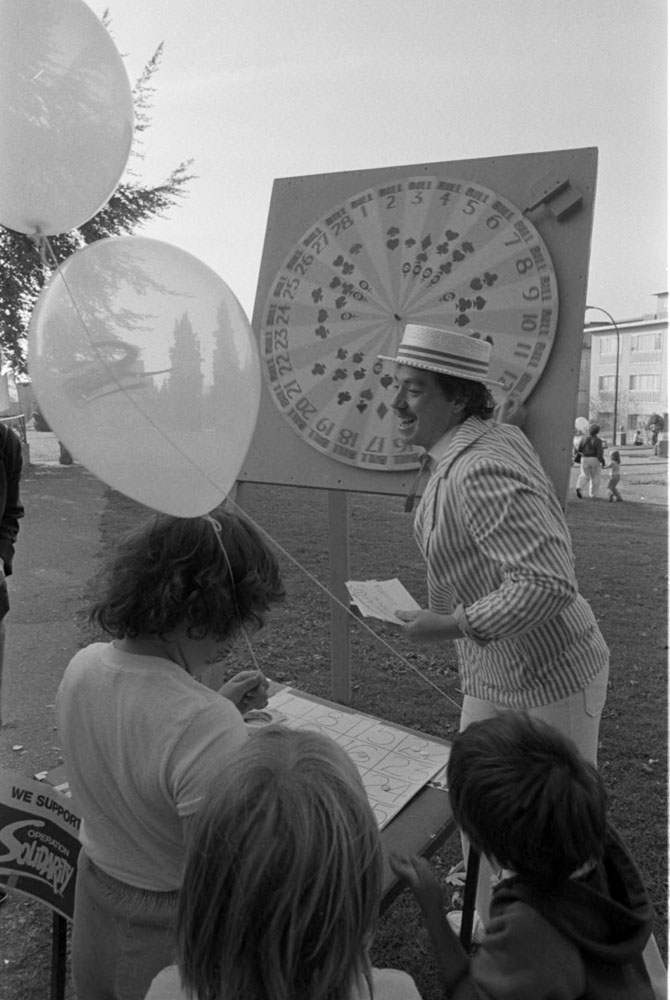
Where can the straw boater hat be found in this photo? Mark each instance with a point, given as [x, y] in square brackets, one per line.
[444, 352]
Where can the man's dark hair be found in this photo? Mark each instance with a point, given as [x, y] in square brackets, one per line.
[475, 396]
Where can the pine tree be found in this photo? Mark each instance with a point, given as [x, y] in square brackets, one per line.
[24, 270]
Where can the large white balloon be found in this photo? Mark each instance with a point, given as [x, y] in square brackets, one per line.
[146, 367]
[66, 115]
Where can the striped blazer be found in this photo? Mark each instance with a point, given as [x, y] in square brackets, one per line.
[499, 558]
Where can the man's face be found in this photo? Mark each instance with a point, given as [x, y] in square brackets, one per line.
[423, 412]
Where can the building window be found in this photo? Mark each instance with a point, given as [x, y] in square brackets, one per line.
[645, 383]
[607, 345]
[606, 383]
[646, 342]
[634, 421]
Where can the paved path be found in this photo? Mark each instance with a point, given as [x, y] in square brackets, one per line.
[55, 556]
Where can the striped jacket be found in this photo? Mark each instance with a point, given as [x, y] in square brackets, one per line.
[499, 558]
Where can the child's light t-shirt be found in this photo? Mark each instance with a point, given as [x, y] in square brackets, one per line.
[142, 740]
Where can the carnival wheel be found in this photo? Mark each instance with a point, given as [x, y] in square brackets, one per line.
[429, 250]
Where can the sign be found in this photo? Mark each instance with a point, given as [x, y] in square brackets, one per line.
[487, 246]
[39, 841]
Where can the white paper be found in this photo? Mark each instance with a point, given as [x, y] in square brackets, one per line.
[394, 764]
[381, 599]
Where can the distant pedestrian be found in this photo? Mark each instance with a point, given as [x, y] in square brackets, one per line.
[590, 449]
[11, 510]
[614, 466]
[638, 440]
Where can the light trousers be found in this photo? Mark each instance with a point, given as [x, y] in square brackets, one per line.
[122, 936]
[590, 473]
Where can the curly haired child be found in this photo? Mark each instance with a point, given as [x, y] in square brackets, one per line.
[142, 736]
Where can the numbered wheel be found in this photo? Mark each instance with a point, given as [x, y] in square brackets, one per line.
[427, 250]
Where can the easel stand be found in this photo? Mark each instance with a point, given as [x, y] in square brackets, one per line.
[338, 546]
[340, 619]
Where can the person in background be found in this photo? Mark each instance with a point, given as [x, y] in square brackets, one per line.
[614, 465]
[570, 916]
[143, 738]
[11, 511]
[282, 882]
[590, 449]
[500, 567]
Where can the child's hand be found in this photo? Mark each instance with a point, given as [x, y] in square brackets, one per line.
[418, 875]
[246, 690]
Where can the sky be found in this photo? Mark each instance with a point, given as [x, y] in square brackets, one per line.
[253, 90]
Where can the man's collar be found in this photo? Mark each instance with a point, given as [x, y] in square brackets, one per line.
[456, 440]
[439, 449]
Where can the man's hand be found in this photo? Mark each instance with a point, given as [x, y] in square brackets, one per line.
[428, 626]
[247, 690]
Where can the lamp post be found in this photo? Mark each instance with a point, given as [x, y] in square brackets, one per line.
[616, 374]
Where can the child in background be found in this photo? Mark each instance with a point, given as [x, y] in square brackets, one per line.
[282, 883]
[570, 918]
[614, 466]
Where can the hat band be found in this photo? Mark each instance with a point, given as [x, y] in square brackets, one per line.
[468, 366]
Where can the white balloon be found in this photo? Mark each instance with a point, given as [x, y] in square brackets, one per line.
[66, 115]
[145, 366]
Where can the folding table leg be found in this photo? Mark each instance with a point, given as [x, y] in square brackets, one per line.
[469, 898]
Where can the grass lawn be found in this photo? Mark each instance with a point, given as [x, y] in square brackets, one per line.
[621, 555]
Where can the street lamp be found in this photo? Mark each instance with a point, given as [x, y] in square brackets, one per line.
[616, 375]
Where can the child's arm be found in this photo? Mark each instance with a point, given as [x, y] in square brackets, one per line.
[451, 960]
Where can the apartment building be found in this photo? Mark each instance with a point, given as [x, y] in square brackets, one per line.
[628, 371]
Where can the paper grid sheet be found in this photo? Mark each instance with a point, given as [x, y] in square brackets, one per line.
[393, 764]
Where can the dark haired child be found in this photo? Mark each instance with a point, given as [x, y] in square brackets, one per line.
[570, 918]
[142, 737]
[614, 465]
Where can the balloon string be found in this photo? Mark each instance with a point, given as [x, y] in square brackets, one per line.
[45, 247]
[359, 622]
[217, 534]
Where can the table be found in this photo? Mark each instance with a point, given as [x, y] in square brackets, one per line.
[423, 825]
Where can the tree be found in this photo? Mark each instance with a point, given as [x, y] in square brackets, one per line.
[183, 388]
[24, 269]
